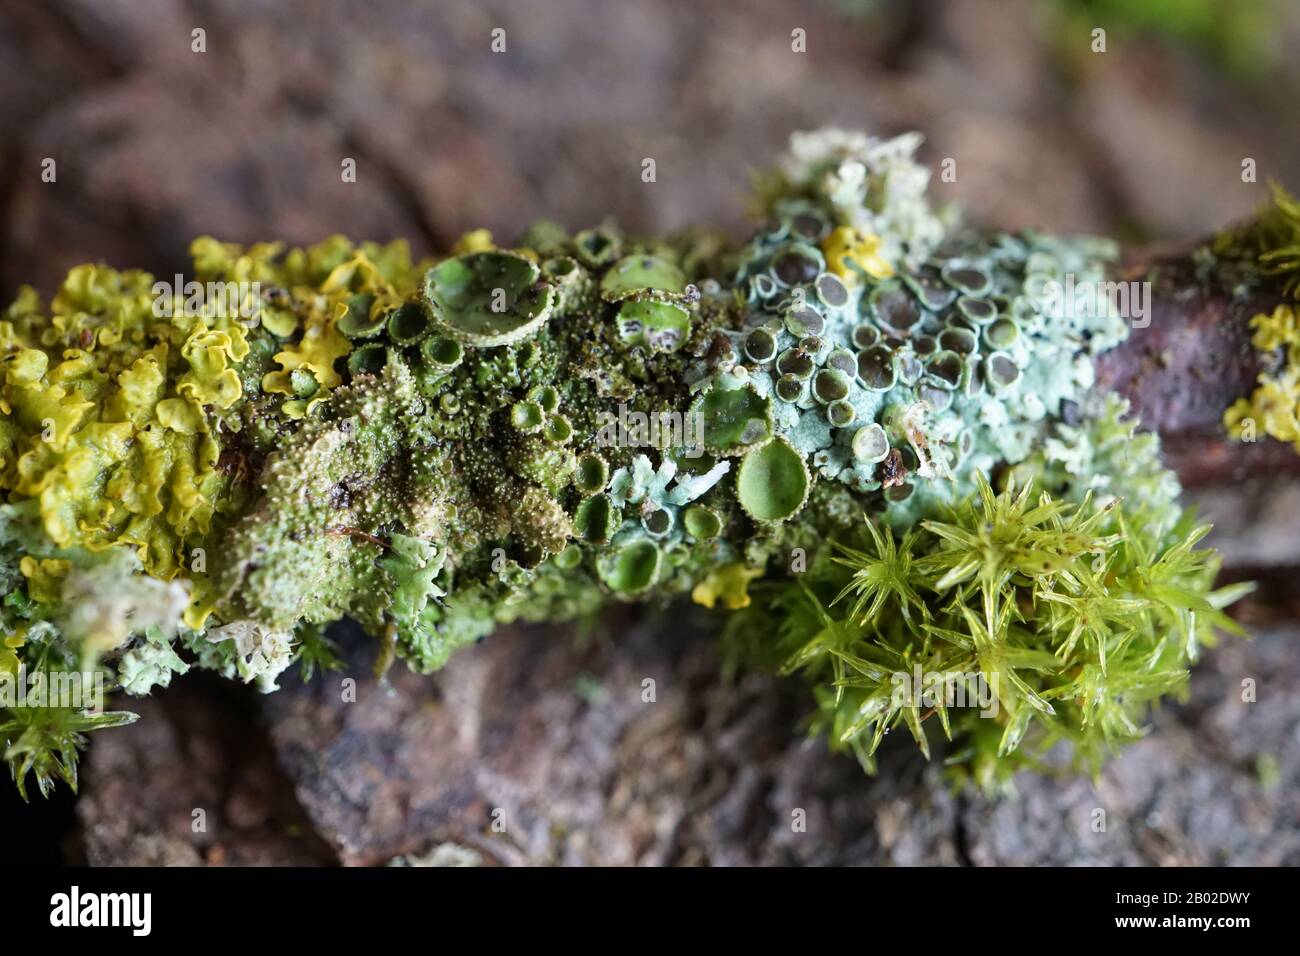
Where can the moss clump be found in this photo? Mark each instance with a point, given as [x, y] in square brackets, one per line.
[1018, 622]
[1269, 244]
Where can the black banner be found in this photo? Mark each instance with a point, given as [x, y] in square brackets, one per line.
[215, 906]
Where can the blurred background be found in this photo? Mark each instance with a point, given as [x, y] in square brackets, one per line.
[155, 143]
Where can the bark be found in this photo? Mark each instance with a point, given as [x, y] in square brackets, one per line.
[1189, 363]
[534, 748]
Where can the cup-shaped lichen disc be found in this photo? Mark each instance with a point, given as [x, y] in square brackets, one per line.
[969, 280]
[1001, 371]
[772, 482]
[632, 568]
[878, 368]
[488, 298]
[702, 522]
[1002, 334]
[760, 346]
[368, 359]
[597, 519]
[844, 360]
[733, 419]
[657, 523]
[356, 322]
[592, 474]
[870, 444]
[979, 311]
[841, 413]
[659, 326]
[634, 274]
[408, 324]
[441, 353]
[894, 308]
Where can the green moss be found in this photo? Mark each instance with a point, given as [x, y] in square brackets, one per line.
[992, 630]
[1269, 243]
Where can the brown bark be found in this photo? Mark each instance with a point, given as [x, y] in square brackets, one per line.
[552, 739]
[1192, 361]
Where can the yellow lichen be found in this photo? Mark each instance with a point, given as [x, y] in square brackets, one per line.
[1276, 330]
[319, 347]
[203, 601]
[1274, 406]
[384, 272]
[44, 577]
[103, 416]
[211, 380]
[729, 583]
[477, 240]
[850, 252]
[9, 662]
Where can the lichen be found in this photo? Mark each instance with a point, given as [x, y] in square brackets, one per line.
[1274, 406]
[109, 416]
[530, 432]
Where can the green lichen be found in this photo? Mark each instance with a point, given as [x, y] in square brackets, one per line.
[772, 482]
[529, 433]
[488, 298]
